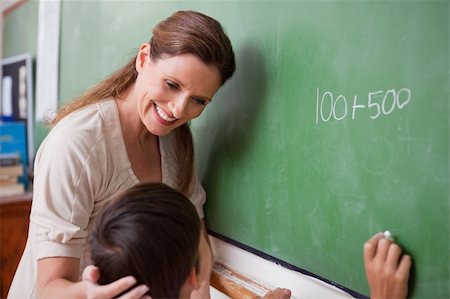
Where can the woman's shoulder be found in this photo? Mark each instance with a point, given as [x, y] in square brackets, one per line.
[87, 122]
[81, 129]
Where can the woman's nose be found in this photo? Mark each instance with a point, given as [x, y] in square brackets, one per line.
[179, 106]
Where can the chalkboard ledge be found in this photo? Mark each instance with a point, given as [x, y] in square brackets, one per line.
[271, 274]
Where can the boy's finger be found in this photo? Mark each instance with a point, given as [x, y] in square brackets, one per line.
[370, 247]
[393, 256]
[405, 266]
[382, 249]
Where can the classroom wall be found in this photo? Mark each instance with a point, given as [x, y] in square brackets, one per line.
[20, 30]
[335, 125]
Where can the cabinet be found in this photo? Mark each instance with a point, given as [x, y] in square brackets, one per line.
[14, 220]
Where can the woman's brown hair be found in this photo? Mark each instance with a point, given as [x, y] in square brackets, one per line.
[181, 33]
[151, 232]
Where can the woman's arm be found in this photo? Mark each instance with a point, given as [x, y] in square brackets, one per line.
[58, 278]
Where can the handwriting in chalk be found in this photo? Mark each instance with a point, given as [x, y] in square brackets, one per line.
[379, 103]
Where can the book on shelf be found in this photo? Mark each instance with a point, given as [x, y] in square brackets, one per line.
[9, 159]
[10, 184]
[12, 189]
[11, 169]
[8, 180]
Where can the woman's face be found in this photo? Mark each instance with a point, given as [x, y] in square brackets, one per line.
[170, 91]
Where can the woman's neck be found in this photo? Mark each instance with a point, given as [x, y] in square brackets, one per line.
[133, 129]
[142, 146]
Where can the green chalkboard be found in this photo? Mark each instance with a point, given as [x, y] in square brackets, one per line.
[335, 126]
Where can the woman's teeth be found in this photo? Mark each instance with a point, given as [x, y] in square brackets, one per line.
[164, 115]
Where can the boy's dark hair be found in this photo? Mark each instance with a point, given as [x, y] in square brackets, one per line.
[151, 232]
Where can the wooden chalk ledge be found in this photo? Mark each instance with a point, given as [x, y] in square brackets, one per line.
[235, 285]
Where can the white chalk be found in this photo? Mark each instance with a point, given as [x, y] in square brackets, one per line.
[387, 234]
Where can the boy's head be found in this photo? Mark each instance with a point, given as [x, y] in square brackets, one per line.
[151, 232]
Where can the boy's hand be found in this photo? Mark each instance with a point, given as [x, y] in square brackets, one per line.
[387, 270]
[278, 293]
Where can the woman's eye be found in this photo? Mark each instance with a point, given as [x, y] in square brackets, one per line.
[171, 85]
[200, 101]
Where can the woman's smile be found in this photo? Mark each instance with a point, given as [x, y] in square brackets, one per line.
[162, 116]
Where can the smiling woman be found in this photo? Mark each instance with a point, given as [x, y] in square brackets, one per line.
[171, 90]
[129, 128]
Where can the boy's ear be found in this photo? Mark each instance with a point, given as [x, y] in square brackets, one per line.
[142, 57]
[193, 279]
[190, 285]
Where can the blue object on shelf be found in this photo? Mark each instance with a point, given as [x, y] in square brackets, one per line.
[13, 140]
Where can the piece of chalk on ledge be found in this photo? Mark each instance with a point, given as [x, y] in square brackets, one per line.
[387, 234]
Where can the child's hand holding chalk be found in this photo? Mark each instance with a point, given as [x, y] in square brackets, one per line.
[387, 234]
[387, 269]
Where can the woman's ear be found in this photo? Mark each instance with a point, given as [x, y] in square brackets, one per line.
[142, 57]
